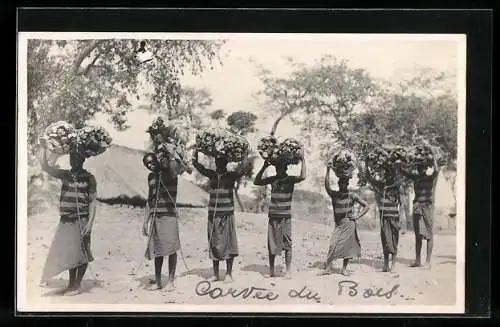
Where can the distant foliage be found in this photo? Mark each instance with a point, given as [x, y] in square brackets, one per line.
[73, 80]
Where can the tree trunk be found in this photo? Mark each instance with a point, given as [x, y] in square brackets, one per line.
[236, 194]
[82, 55]
[276, 123]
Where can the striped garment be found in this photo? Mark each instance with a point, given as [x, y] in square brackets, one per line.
[423, 188]
[75, 195]
[167, 194]
[281, 199]
[389, 205]
[343, 206]
[221, 202]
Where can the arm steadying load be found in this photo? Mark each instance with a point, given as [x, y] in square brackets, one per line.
[204, 171]
[54, 172]
[328, 188]
[303, 172]
[263, 181]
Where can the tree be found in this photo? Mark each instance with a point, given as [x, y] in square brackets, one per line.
[422, 105]
[217, 115]
[72, 80]
[242, 123]
[285, 96]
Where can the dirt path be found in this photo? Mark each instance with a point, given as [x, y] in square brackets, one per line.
[118, 247]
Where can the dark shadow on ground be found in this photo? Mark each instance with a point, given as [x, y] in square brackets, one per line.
[449, 257]
[58, 285]
[262, 269]
[378, 264]
[205, 273]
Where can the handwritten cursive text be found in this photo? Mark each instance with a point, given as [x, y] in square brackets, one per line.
[304, 293]
[204, 288]
[354, 290]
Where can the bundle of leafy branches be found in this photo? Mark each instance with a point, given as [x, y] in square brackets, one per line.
[92, 140]
[288, 152]
[60, 137]
[343, 163]
[161, 132]
[220, 143]
[63, 138]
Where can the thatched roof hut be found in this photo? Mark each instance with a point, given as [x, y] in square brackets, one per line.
[119, 172]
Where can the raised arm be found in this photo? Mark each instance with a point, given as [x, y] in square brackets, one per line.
[328, 188]
[363, 203]
[263, 181]
[434, 161]
[303, 173]
[54, 172]
[376, 185]
[204, 171]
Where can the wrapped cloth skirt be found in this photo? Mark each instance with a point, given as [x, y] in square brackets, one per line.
[68, 249]
[164, 237]
[344, 242]
[222, 239]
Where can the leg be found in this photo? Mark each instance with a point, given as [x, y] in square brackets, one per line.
[328, 265]
[418, 250]
[80, 272]
[158, 267]
[215, 265]
[229, 270]
[172, 265]
[393, 261]
[272, 257]
[72, 277]
[430, 244]
[386, 262]
[288, 264]
[344, 268]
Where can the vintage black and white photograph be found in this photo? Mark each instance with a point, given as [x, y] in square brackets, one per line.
[176, 172]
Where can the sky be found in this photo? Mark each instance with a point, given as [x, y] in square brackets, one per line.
[233, 85]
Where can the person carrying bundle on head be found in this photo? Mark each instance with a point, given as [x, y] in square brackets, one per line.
[70, 249]
[387, 195]
[279, 235]
[344, 242]
[424, 177]
[160, 223]
[222, 238]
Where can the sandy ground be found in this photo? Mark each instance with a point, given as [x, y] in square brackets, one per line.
[118, 247]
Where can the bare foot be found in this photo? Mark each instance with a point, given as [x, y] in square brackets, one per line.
[287, 275]
[62, 291]
[415, 264]
[427, 265]
[215, 279]
[270, 275]
[386, 269]
[346, 272]
[73, 291]
[155, 285]
[228, 279]
[170, 286]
